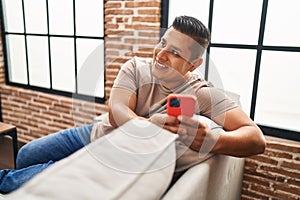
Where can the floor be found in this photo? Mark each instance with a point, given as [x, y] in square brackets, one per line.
[6, 153]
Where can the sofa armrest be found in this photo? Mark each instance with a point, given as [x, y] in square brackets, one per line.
[219, 177]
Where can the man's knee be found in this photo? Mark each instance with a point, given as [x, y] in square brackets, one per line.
[24, 156]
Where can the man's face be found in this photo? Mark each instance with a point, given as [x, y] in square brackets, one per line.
[171, 59]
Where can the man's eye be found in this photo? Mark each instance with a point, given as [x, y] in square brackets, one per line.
[175, 53]
[162, 43]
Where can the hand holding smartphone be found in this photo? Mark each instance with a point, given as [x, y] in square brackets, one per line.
[180, 104]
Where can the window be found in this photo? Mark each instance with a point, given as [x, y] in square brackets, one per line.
[55, 46]
[254, 52]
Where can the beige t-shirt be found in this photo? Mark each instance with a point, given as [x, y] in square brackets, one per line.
[135, 75]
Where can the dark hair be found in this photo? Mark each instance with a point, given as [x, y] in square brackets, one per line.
[193, 28]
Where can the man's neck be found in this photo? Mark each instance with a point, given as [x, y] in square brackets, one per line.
[173, 85]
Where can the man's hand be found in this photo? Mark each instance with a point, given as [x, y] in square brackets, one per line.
[191, 131]
[195, 131]
[165, 121]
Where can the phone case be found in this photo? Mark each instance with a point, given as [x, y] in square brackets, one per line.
[181, 105]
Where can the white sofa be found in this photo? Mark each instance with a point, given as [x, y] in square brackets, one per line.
[218, 178]
[103, 170]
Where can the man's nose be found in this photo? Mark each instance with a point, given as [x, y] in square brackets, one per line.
[162, 54]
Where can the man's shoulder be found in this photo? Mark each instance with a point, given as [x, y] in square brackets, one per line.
[197, 80]
[136, 64]
[140, 61]
[142, 66]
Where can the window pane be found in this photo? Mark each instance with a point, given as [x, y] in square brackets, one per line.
[38, 61]
[89, 18]
[191, 8]
[16, 58]
[236, 21]
[13, 16]
[278, 98]
[90, 67]
[35, 16]
[61, 17]
[63, 64]
[233, 71]
[281, 23]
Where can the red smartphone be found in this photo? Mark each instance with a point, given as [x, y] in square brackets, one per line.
[180, 104]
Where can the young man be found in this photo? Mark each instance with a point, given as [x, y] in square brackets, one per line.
[140, 91]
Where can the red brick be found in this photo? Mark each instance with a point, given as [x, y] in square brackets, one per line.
[246, 198]
[51, 113]
[42, 117]
[137, 4]
[291, 165]
[111, 26]
[141, 41]
[284, 147]
[119, 46]
[112, 5]
[262, 189]
[254, 195]
[140, 54]
[152, 11]
[151, 34]
[65, 122]
[154, 19]
[263, 173]
[294, 182]
[142, 27]
[118, 12]
[264, 159]
[278, 154]
[28, 94]
[256, 180]
[9, 119]
[145, 49]
[281, 171]
[108, 19]
[288, 188]
[38, 106]
[285, 196]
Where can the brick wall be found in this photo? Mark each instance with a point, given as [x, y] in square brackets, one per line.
[275, 174]
[37, 114]
[132, 28]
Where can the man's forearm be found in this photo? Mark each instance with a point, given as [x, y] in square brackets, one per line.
[245, 141]
[120, 115]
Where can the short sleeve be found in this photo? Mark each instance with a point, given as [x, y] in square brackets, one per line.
[126, 78]
[213, 102]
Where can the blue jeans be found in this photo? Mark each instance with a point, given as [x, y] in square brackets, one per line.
[41, 153]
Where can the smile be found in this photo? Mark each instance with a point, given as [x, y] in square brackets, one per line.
[160, 66]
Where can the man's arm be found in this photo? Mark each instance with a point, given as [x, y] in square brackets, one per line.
[122, 104]
[241, 136]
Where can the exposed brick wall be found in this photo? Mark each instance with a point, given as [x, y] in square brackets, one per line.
[131, 29]
[37, 114]
[274, 174]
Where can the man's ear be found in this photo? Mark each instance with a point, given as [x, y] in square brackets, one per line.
[196, 63]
